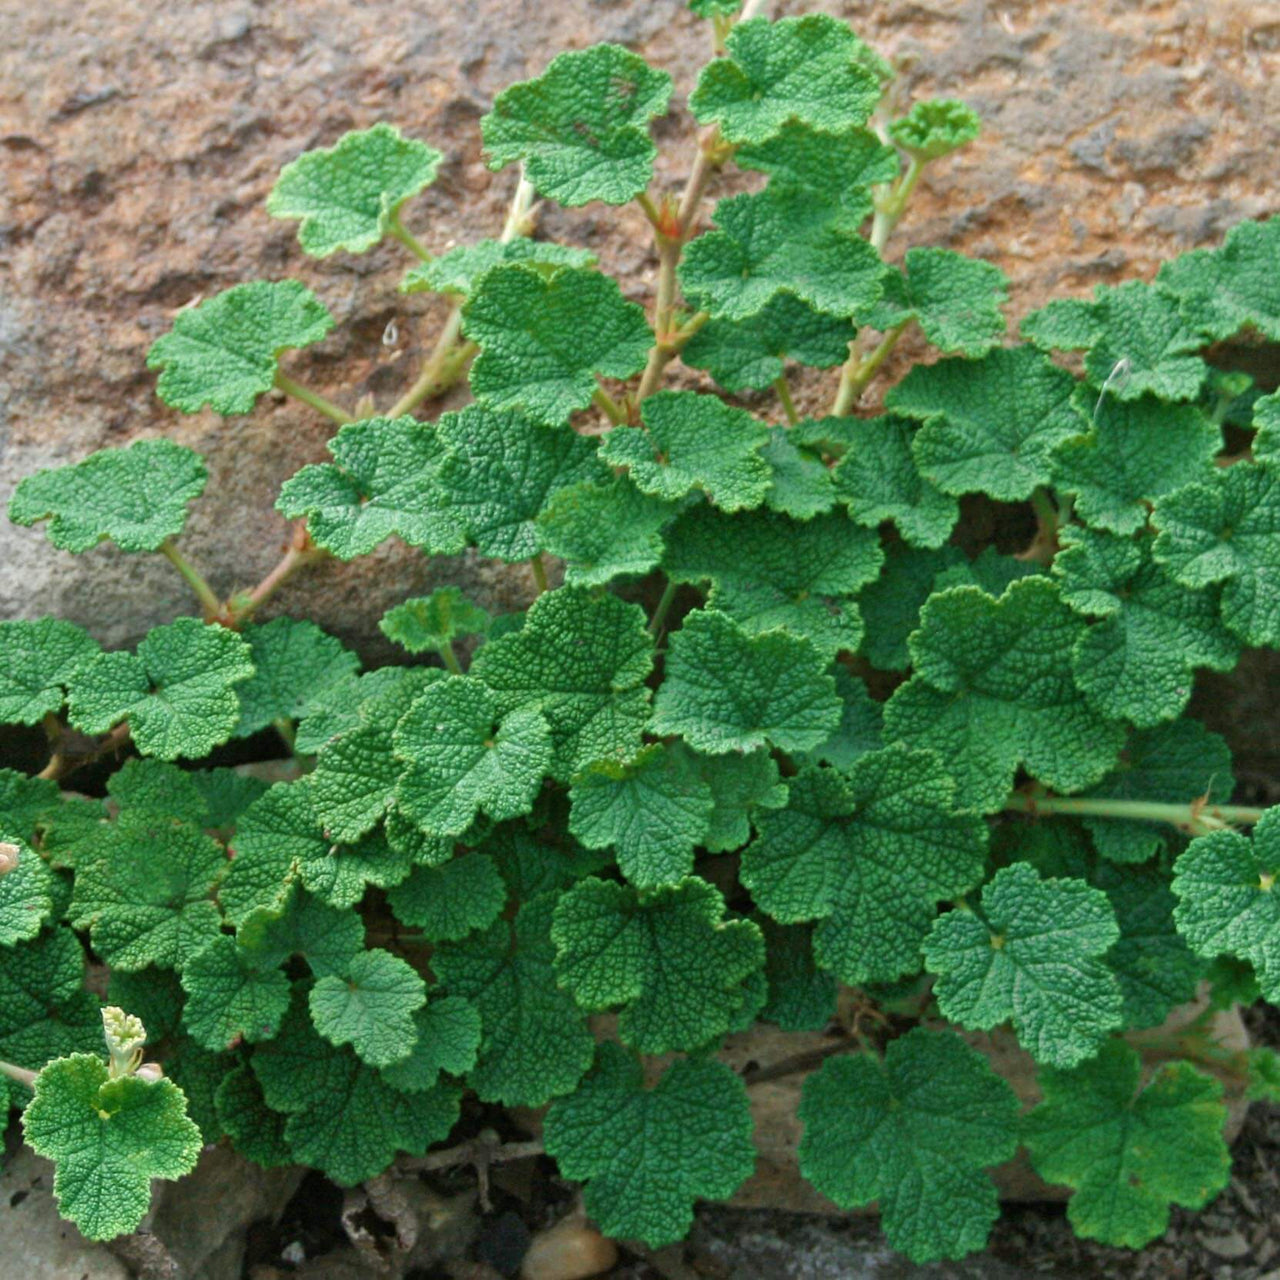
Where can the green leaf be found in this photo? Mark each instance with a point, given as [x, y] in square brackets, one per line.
[1266, 418]
[347, 196]
[870, 854]
[1128, 1153]
[843, 165]
[669, 958]
[1227, 529]
[1139, 662]
[1228, 903]
[1133, 455]
[989, 425]
[916, 1132]
[1221, 291]
[24, 801]
[715, 8]
[543, 339]
[935, 127]
[500, 472]
[993, 688]
[26, 900]
[458, 271]
[452, 900]
[153, 996]
[604, 531]
[38, 659]
[224, 352]
[860, 729]
[1064, 324]
[433, 622]
[302, 925]
[580, 659]
[108, 1138]
[802, 997]
[463, 756]
[879, 479]
[176, 693]
[582, 127]
[162, 790]
[768, 571]
[691, 442]
[232, 995]
[447, 1038]
[135, 496]
[740, 783]
[647, 1154]
[782, 241]
[344, 1119]
[256, 1131]
[295, 666]
[801, 485]
[989, 570]
[226, 794]
[653, 811]
[535, 1043]
[381, 483]
[1031, 952]
[807, 69]
[891, 605]
[370, 1007]
[531, 863]
[727, 690]
[339, 709]
[753, 352]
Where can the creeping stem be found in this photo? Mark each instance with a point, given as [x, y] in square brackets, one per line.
[301, 553]
[1196, 818]
[663, 607]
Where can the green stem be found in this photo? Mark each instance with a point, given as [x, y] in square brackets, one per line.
[288, 733]
[20, 1074]
[1196, 818]
[663, 608]
[859, 370]
[397, 229]
[209, 602]
[539, 572]
[294, 560]
[450, 658]
[645, 201]
[313, 398]
[608, 406]
[894, 205]
[784, 397]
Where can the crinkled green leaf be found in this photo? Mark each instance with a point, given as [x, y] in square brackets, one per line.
[728, 690]
[647, 1154]
[24, 802]
[38, 659]
[989, 570]
[808, 69]
[135, 496]
[370, 1006]
[447, 1038]
[45, 1010]
[224, 352]
[382, 482]
[543, 339]
[339, 708]
[160, 789]
[740, 783]
[669, 958]
[870, 854]
[891, 605]
[582, 127]
[917, 1132]
[989, 425]
[993, 688]
[452, 900]
[26, 900]
[458, 270]
[227, 793]
[531, 863]
[861, 724]
[842, 165]
[347, 195]
[1063, 324]
[1128, 1153]
[433, 622]
[801, 485]
[935, 127]
[1266, 419]
[232, 995]
[328, 938]
[802, 997]
[255, 1130]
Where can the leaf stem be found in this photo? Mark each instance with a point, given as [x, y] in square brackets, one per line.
[410, 242]
[24, 1077]
[663, 607]
[209, 601]
[608, 406]
[539, 567]
[318, 402]
[60, 763]
[894, 205]
[1197, 817]
[859, 370]
[450, 658]
[784, 397]
[301, 554]
[287, 731]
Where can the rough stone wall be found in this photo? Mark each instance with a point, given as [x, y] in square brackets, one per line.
[138, 141]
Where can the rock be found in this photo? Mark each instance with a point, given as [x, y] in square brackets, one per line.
[138, 154]
[572, 1249]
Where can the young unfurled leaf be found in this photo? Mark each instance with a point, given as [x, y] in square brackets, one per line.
[956, 300]
[295, 666]
[1222, 291]
[1229, 904]
[535, 1044]
[652, 811]
[581, 660]
[768, 571]
[543, 339]
[753, 352]
[177, 693]
[870, 854]
[647, 1154]
[783, 241]
[582, 127]
[879, 479]
[233, 994]
[459, 270]
[381, 482]
[370, 1007]
[108, 1137]
[809, 69]
[989, 425]
[347, 195]
[225, 351]
[727, 690]
[449, 901]
[935, 127]
[1138, 663]
[1128, 1153]
[500, 470]
[689, 442]
[993, 688]
[1031, 950]
[26, 900]
[1133, 454]
[136, 496]
[38, 660]
[1227, 529]
[433, 622]
[916, 1132]
[668, 957]
[463, 755]
[841, 166]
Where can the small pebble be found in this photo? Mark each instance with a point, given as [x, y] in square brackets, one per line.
[569, 1250]
[1232, 1245]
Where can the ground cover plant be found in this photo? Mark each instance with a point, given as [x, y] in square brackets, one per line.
[789, 743]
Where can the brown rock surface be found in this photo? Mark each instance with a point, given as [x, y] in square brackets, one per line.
[139, 140]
